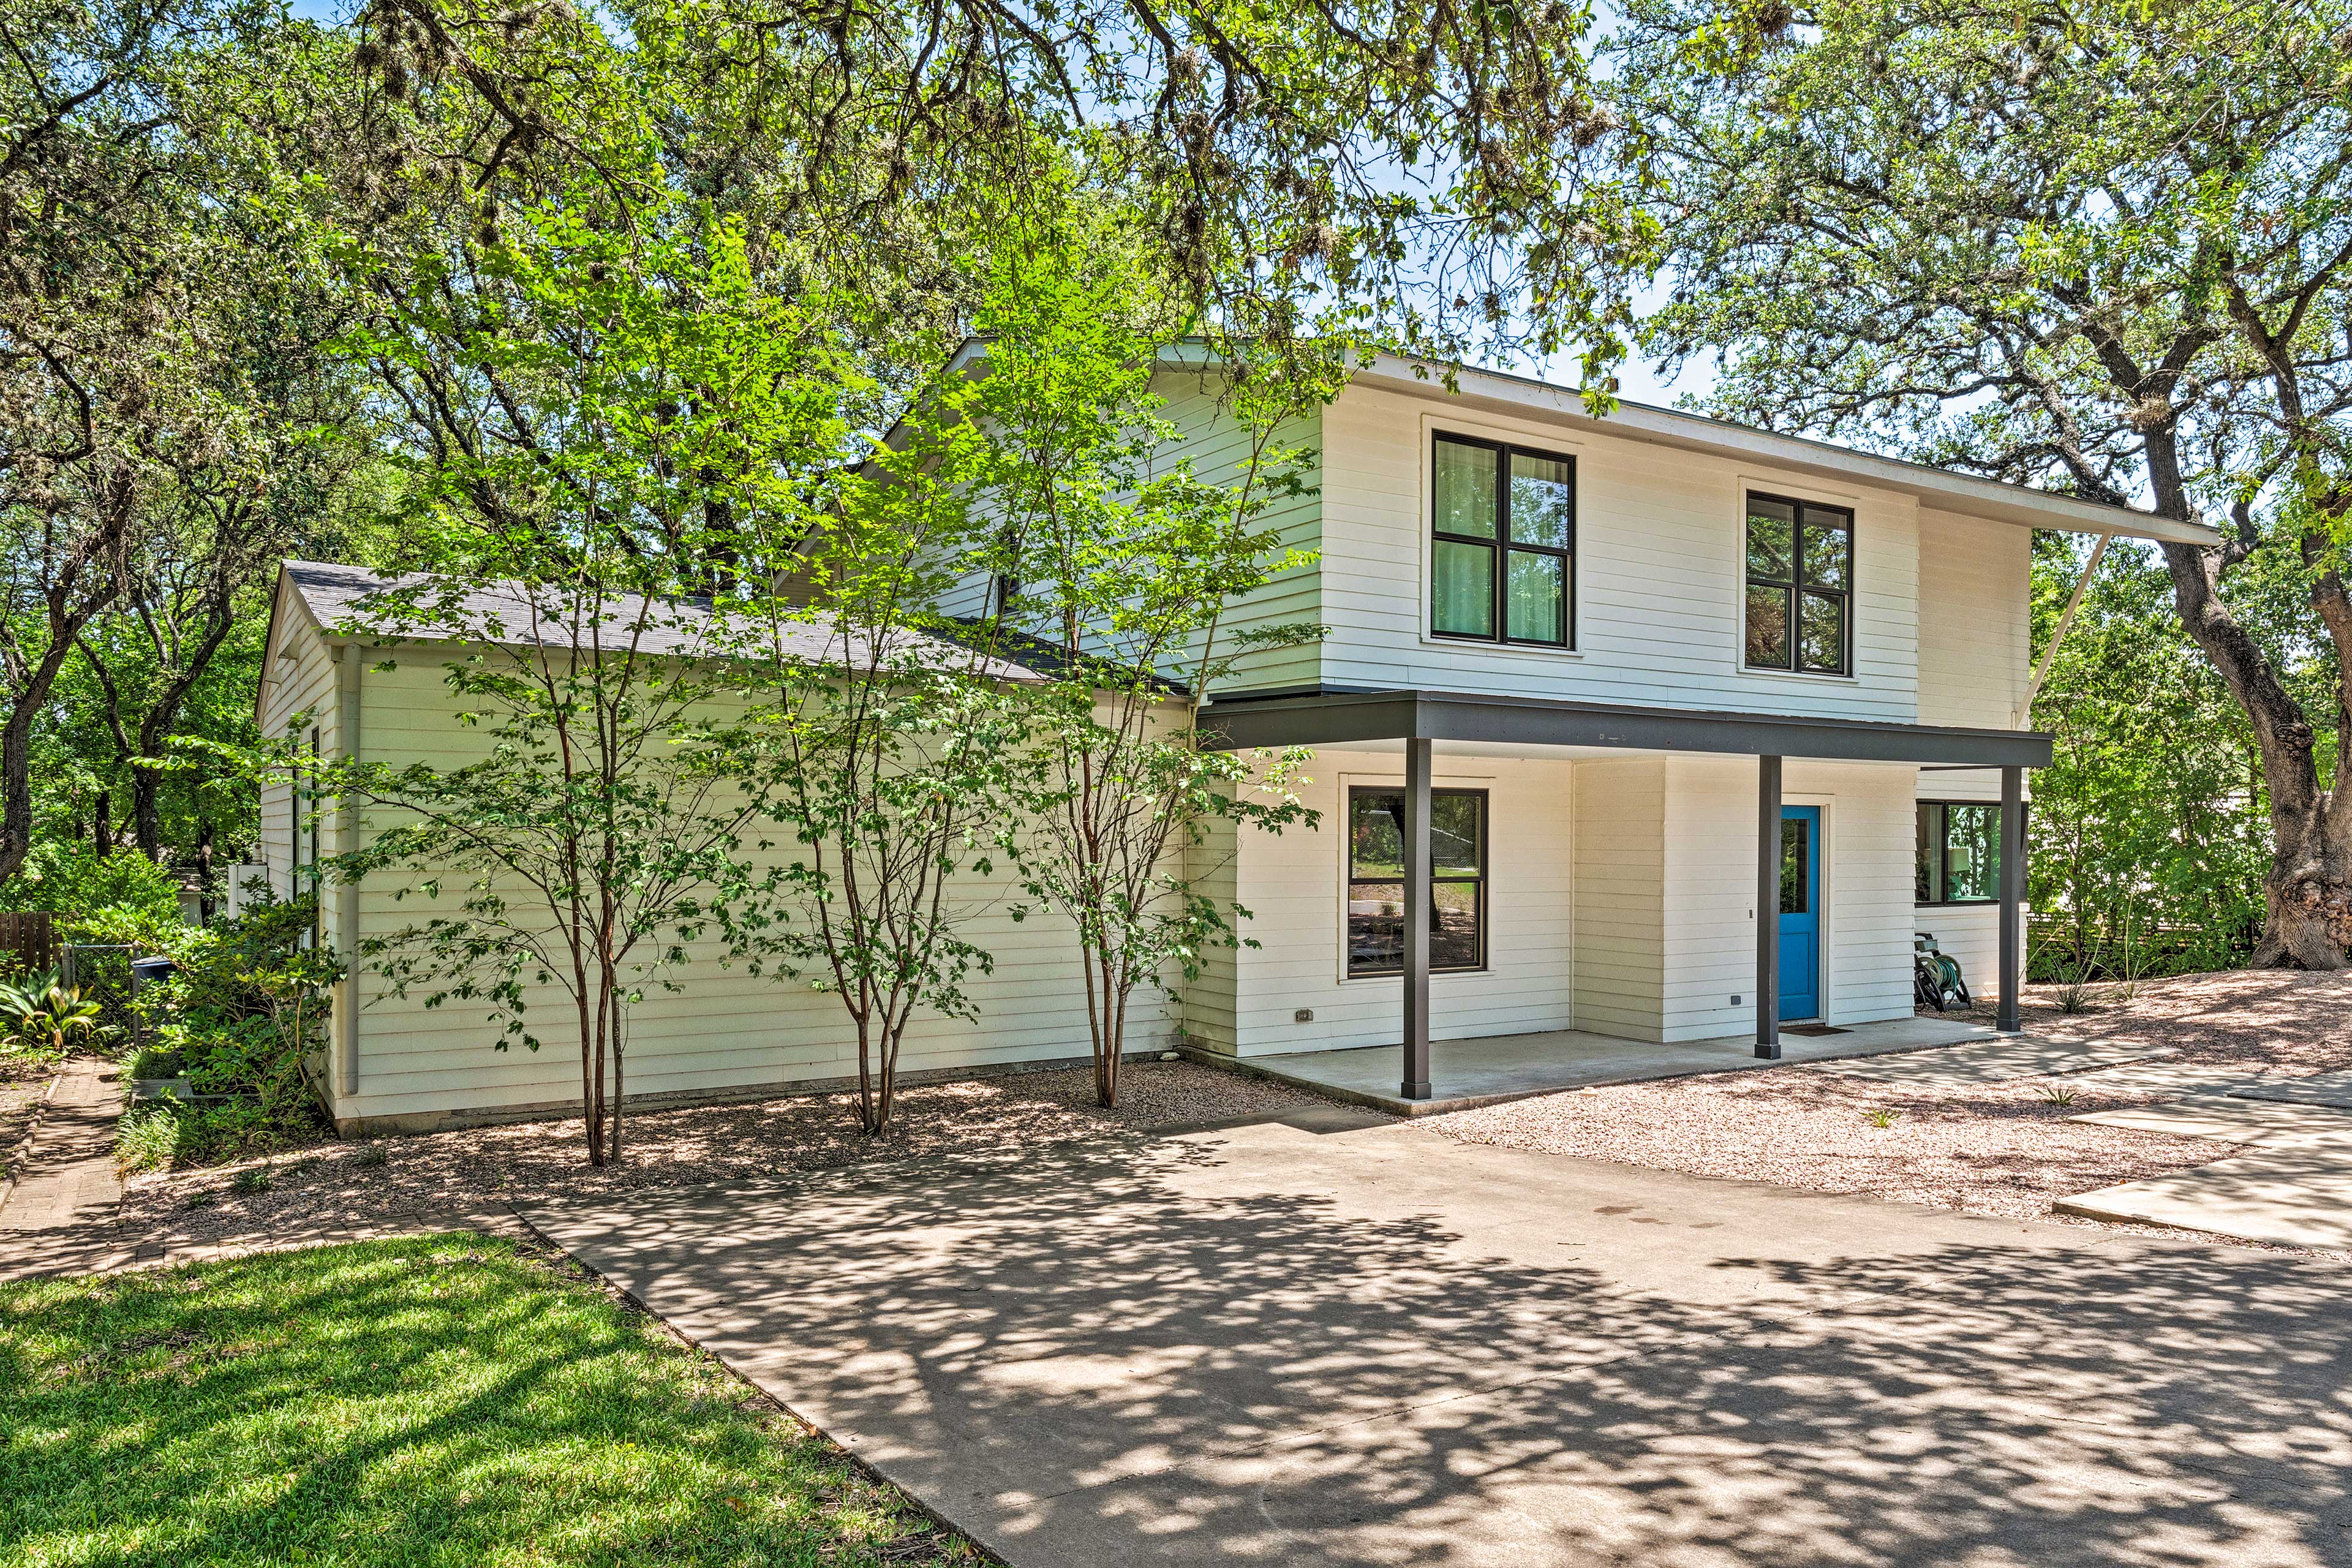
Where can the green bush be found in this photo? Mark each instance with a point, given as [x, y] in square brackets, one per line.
[244, 1020]
[122, 897]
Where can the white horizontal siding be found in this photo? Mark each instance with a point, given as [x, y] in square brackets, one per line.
[726, 1030]
[1975, 620]
[1295, 886]
[1710, 891]
[1659, 573]
[1621, 837]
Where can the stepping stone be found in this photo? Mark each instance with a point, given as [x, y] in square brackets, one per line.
[2320, 1088]
[1991, 1061]
[2230, 1121]
[2288, 1196]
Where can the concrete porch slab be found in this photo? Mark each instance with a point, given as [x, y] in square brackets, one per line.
[2299, 1196]
[1468, 1073]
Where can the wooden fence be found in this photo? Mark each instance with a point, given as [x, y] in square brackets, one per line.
[31, 938]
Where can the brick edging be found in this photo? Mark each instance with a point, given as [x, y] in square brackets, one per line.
[23, 1149]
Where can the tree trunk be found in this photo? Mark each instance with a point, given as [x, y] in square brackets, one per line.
[2308, 902]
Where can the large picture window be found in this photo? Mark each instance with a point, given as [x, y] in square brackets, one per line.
[1960, 852]
[1457, 902]
[1800, 606]
[1502, 546]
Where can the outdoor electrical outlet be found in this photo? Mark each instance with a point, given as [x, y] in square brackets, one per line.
[1734, 1001]
[1304, 1016]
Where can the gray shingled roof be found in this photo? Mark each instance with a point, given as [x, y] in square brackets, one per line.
[356, 601]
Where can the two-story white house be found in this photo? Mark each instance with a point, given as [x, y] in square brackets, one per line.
[1646, 726]
[1599, 693]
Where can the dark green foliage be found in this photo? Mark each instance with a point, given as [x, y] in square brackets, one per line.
[442, 1401]
[2149, 830]
[245, 1021]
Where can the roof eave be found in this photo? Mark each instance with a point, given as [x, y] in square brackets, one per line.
[1947, 492]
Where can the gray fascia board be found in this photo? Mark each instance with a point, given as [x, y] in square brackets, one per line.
[1342, 718]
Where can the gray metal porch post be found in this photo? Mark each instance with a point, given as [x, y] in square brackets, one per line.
[1416, 919]
[1767, 908]
[2012, 893]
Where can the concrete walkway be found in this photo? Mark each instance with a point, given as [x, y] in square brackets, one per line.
[1267, 1346]
[59, 1217]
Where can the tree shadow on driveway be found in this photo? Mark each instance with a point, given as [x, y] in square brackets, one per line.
[1264, 1347]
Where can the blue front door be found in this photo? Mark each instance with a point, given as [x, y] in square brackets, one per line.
[1801, 913]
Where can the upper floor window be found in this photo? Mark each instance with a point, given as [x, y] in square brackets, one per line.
[1503, 552]
[1799, 586]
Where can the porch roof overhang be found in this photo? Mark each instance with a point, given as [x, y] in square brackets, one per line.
[1246, 722]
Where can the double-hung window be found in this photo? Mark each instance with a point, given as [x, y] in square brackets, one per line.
[1960, 852]
[1800, 603]
[1457, 893]
[1502, 545]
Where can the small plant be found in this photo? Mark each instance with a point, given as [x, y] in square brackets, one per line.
[2074, 994]
[203, 1200]
[251, 1180]
[1883, 1119]
[148, 1136]
[371, 1156]
[43, 1014]
[2058, 1093]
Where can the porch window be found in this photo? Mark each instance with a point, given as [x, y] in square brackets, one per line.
[1502, 551]
[1960, 852]
[1800, 605]
[1457, 904]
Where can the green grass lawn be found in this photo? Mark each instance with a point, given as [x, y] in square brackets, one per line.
[445, 1400]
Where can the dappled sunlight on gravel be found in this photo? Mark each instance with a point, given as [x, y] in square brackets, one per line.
[333, 1185]
[2004, 1149]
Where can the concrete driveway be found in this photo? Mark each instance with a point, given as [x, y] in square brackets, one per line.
[1270, 1346]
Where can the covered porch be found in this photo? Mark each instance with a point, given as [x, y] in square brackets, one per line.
[1467, 1073]
[1737, 757]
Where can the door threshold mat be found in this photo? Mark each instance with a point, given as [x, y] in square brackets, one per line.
[1813, 1030]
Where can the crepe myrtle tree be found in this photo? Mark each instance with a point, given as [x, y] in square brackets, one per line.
[1124, 571]
[2105, 247]
[633, 398]
[880, 735]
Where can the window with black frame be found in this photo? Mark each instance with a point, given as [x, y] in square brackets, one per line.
[1799, 601]
[1960, 852]
[1457, 844]
[1502, 550]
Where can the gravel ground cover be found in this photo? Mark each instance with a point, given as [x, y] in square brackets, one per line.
[2003, 1149]
[391, 1182]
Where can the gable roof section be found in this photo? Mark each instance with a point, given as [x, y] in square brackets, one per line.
[358, 604]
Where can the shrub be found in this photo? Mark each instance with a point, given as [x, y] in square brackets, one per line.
[44, 1016]
[244, 1017]
[100, 897]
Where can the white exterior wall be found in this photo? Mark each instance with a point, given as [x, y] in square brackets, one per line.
[1867, 836]
[1975, 640]
[1621, 847]
[1660, 573]
[1296, 887]
[1621, 902]
[727, 1030]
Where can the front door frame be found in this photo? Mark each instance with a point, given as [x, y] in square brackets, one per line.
[1815, 819]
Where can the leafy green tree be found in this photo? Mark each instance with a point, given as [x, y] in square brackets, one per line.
[2105, 248]
[882, 735]
[162, 292]
[1127, 573]
[636, 398]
